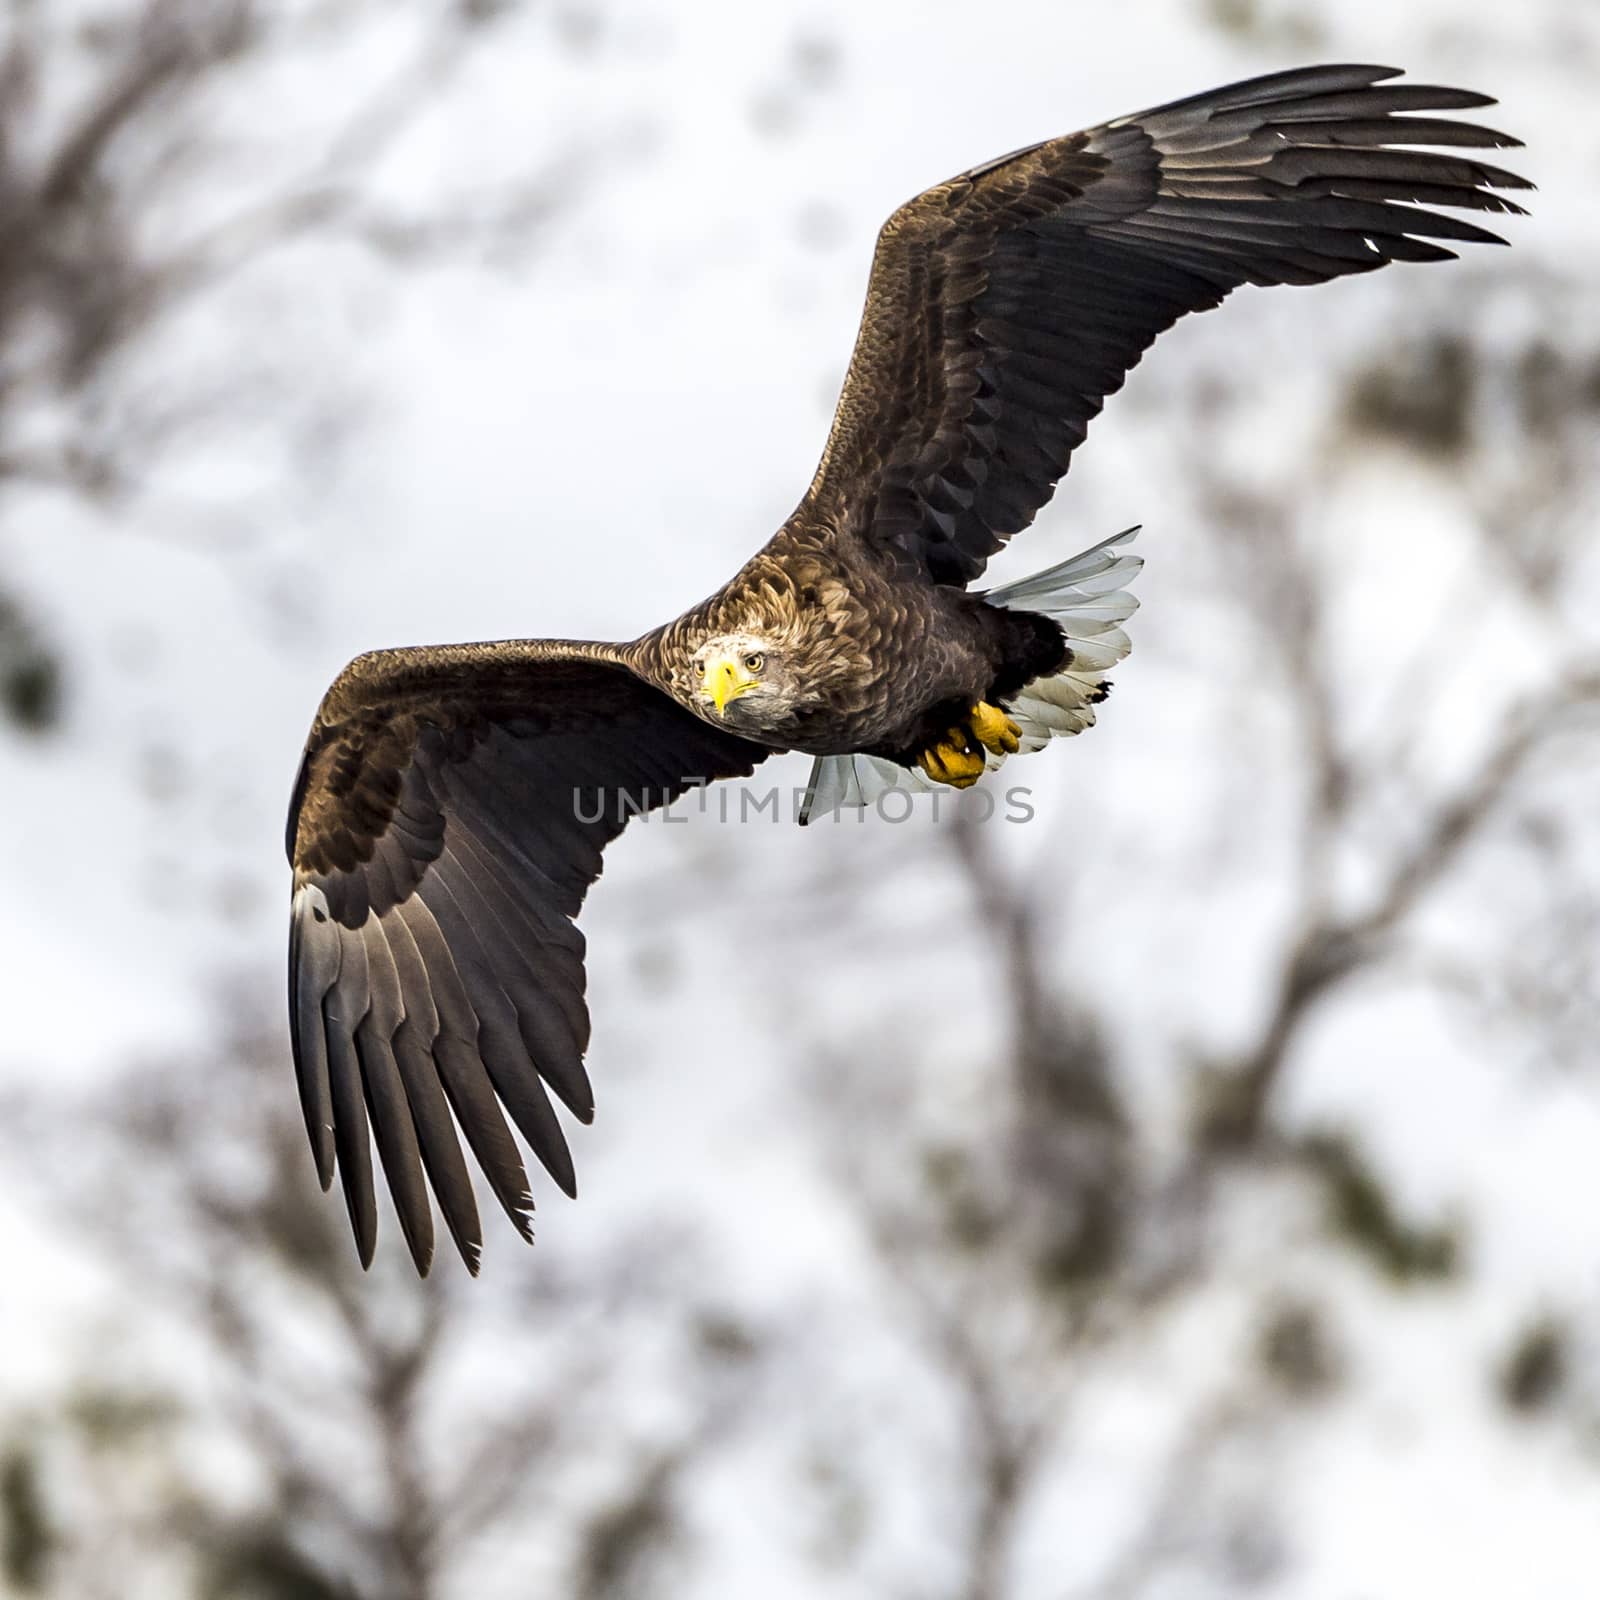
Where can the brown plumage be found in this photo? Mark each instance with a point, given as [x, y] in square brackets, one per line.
[453, 802]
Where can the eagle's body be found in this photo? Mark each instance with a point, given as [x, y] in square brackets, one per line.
[882, 662]
[453, 801]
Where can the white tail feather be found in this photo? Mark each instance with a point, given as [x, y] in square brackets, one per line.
[1088, 595]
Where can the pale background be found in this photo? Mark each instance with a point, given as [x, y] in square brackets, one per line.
[903, 1265]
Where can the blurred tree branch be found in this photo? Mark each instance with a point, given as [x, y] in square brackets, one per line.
[85, 276]
[385, 1431]
[132, 191]
[1473, 414]
[1330, 946]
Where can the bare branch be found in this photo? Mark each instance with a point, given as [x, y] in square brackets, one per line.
[82, 284]
[1331, 947]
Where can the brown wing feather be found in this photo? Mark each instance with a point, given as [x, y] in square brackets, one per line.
[1005, 305]
[448, 818]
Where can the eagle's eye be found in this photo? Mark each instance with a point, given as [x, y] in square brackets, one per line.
[754, 662]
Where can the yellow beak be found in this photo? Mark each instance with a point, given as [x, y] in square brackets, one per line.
[725, 680]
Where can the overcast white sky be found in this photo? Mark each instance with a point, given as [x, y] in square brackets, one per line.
[588, 444]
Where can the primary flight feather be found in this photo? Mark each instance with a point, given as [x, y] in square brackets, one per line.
[453, 801]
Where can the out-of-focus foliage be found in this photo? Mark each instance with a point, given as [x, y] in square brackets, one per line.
[29, 1539]
[1422, 396]
[129, 191]
[265, 1421]
[1297, 1350]
[30, 672]
[130, 196]
[1537, 1367]
[1362, 1212]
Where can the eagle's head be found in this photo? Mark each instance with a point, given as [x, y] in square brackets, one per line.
[749, 680]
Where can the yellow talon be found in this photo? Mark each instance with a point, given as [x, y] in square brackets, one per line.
[994, 730]
[953, 760]
[958, 759]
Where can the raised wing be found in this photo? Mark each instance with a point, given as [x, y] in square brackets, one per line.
[449, 816]
[1005, 305]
